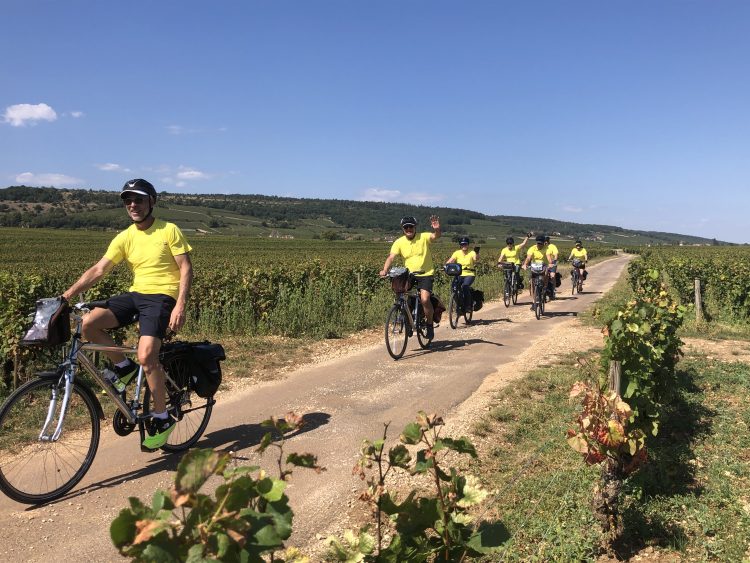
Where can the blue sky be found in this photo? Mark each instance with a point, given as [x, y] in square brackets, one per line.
[630, 113]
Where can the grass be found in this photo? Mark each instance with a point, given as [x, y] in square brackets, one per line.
[693, 498]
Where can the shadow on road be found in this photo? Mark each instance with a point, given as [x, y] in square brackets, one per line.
[234, 439]
[485, 322]
[445, 345]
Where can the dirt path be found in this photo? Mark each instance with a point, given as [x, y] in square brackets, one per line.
[344, 399]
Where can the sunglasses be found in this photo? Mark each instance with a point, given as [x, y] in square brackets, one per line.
[131, 200]
[408, 227]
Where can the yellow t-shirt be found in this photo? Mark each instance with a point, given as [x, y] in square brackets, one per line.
[467, 261]
[511, 254]
[537, 255]
[552, 249]
[415, 252]
[580, 254]
[150, 256]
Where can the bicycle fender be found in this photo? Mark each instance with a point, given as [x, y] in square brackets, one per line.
[49, 375]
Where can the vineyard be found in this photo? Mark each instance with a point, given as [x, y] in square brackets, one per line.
[724, 275]
[243, 286]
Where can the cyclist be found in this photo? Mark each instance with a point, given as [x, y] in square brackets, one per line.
[579, 256]
[552, 255]
[510, 254]
[535, 255]
[468, 260]
[415, 250]
[158, 255]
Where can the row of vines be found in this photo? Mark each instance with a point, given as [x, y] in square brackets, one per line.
[724, 274]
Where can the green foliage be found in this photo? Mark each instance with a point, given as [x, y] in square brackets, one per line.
[424, 527]
[248, 519]
[644, 339]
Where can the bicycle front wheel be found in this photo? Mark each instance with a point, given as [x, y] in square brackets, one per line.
[190, 411]
[507, 292]
[396, 334]
[574, 283]
[539, 297]
[32, 470]
[453, 313]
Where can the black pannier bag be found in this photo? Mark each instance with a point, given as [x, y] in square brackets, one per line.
[51, 326]
[558, 279]
[477, 296]
[195, 364]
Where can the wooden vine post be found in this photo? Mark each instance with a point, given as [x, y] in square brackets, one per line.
[698, 302]
[607, 495]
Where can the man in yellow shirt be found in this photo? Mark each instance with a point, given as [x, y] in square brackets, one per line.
[415, 250]
[535, 255]
[468, 259]
[158, 255]
[579, 257]
[511, 254]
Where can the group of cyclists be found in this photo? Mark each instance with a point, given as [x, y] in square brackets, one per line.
[414, 249]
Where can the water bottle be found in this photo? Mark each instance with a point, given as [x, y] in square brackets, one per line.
[114, 379]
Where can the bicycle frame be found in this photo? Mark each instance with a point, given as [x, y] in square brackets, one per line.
[76, 358]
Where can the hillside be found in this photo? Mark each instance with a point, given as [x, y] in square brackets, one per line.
[259, 215]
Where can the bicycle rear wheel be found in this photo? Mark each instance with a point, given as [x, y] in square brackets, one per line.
[453, 313]
[33, 471]
[190, 411]
[396, 334]
[424, 340]
[468, 315]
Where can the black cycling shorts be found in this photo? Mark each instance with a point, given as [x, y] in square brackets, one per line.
[152, 311]
[424, 282]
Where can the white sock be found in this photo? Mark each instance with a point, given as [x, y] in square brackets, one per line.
[123, 364]
[160, 415]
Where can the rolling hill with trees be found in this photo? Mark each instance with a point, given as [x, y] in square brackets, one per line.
[287, 217]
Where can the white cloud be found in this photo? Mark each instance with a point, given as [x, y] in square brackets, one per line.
[112, 167]
[191, 174]
[77, 114]
[572, 209]
[20, 115]
[176, 129]
[379, 194]
[55, 180]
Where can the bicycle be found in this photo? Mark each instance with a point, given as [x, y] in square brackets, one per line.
[456, 307]
[576, 277]
[50, 426]
[539, 282]
[512, 283]
[406, 315]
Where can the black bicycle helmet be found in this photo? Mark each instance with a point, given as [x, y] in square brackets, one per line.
[579, 243]
[509, 240]
[138, 186]
[408, 221]
[463, 241]
[540, 239]
[546, 239]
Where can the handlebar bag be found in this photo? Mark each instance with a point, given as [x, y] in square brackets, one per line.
[453, 269]
[51, 325]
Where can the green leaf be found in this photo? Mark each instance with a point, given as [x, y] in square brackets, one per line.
[161, 501]
[412, 433]
[122, 529]
[399, 456]
[461, 445]
[423, 464]
[308, 461]
[488, 539]
[158, 554]
[196, 467]
[271, 489]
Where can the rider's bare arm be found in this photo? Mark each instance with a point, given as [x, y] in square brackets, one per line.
[177, 318]
[89, 278]
[387, 265]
